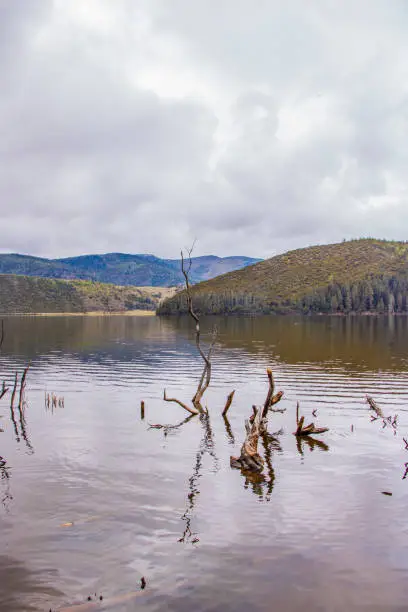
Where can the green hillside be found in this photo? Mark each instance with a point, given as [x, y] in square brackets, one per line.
[26, 294]
[359, 275]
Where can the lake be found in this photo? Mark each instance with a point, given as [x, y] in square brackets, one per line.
[93, 498]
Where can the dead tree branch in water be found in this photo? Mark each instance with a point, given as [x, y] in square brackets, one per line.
[206, 374]
[306, 430]
[249, 458]
[22, 388]
[389, 421]
[228, 403]
[271, 398]
[180, 403]
[374, 406]
[3, 389]
[270, 401]
[205, 378]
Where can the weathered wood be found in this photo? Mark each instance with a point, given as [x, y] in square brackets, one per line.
[374, 406]
[276, 398]
[177, 401]
[299, 425]
[228, 403]
[249, 458]
[22, 388]
[312, 430]
[271, 398]
[306, 430]
[142, 410]
[269, 395]
[205, 378]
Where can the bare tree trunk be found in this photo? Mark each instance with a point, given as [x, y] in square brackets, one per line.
[205, 378]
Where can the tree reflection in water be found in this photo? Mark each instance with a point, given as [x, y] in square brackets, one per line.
[206, 447]
[261, 484]
[5, 474]
[20, 425]
[306, 441]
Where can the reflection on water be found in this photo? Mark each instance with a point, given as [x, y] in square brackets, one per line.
[107, 497]
[206, 446]
[5, 474]
[310, 443]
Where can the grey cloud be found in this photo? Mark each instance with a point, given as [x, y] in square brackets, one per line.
[264, 126]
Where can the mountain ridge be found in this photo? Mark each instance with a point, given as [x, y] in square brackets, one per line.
[120, 268]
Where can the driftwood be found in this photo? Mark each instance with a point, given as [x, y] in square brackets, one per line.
[228, 403]
[271, 397]
[52, 400]
[306, 430]
[374, 406]
[177, 401]
[388, 421]
[250, 458]
[22, 388]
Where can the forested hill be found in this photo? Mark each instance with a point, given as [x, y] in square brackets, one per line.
[121, 268]
[27, 294]
[364, 275]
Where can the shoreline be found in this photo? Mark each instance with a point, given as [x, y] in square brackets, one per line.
[91, 313]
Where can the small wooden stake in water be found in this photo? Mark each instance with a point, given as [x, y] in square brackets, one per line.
[142, 410]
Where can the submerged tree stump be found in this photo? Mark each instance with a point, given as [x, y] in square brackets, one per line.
[306, 430]
[249, 458]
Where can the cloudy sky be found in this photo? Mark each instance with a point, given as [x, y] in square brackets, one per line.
[255, 126]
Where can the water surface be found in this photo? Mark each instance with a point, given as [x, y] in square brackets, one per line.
[92, 499]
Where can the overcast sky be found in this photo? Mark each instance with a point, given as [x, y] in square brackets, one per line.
[255, 126]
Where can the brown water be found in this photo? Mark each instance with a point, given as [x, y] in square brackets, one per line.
[313, 533]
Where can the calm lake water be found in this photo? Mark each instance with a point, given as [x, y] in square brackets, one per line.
[92, 499]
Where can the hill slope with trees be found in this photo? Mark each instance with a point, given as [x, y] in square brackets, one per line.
[121, 268]
[365, 275]
[27, 294]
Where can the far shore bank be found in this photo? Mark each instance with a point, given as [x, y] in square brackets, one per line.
[92, 313]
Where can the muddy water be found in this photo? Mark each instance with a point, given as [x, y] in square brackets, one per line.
[92, 499]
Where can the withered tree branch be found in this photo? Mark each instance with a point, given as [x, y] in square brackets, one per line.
[205, 378]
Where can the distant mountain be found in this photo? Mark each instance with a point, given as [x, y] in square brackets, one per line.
[121, 268]
[27, 294]
[365, 275]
